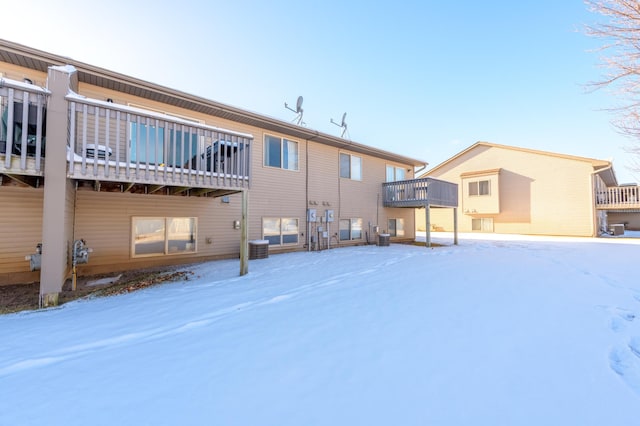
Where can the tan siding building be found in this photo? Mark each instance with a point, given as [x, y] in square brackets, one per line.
[152, 176]
[511, 190]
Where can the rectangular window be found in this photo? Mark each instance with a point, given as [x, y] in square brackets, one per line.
[395, 173]
[482, 224]
[396, 227]
[157, 236]
[350, 167]
[280, 153]
[280, 230]
[479, 187]
[350, 229]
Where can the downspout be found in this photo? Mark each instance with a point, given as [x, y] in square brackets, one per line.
[306, 193]
[594, 210]
[306, 183]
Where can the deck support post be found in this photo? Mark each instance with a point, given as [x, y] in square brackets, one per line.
[427, 215]
[244, 235]
[57, 211]
[455, 226]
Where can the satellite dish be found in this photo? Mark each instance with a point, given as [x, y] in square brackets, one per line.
[298, 111]
[342, 124]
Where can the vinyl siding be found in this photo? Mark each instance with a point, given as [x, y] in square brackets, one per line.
[21, 230]
[276, 192]
[539, 194]
[18, 73]
[103, 220]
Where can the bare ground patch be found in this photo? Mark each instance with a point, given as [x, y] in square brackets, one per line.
[20, 297]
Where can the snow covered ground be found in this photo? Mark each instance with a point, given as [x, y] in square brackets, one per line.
[496, 331]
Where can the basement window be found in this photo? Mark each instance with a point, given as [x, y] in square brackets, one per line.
[159, 236]
[482, 224]
[350, 229]
[280, 230]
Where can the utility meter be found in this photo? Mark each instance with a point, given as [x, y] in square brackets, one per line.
[311, 215]
[329, 215]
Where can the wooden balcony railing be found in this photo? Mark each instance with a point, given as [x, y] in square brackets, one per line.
[618, 197]
[22, 130]
[119, 143]
[420, 192]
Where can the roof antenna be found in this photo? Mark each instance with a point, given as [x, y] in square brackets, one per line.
[298, 110]
[342, 124]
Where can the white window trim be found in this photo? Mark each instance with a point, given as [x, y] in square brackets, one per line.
[395, 173]
[297, 233]
[282, 140]
[477, 184]
[482, 221]
[351, 220]
[166, 236]
[351, 157]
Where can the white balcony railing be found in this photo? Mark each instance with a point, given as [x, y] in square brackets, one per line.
[618, 197]
[22, 129]
[125, 144]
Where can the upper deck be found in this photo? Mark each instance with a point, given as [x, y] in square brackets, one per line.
[119, 147]
[420, 193]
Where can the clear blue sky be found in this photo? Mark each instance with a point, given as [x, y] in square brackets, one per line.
[425, 78]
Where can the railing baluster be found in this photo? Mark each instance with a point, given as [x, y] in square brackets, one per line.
[117, 159]
[181, 163]
[165, 148]
[96, 138]
[107, 149]
[83, 168]
[147, 148]
[9, 143]
[174, 140]
[138, 149]
[157, 150]
[39, 117]
[72, 139]
[25, 130]
[129, 147]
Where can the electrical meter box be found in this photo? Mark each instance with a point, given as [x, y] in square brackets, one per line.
[311, 215]
[329, 215]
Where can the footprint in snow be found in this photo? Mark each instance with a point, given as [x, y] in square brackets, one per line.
[625, 361]
[621, 318]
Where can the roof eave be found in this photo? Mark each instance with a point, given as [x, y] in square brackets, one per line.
[28, 57]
